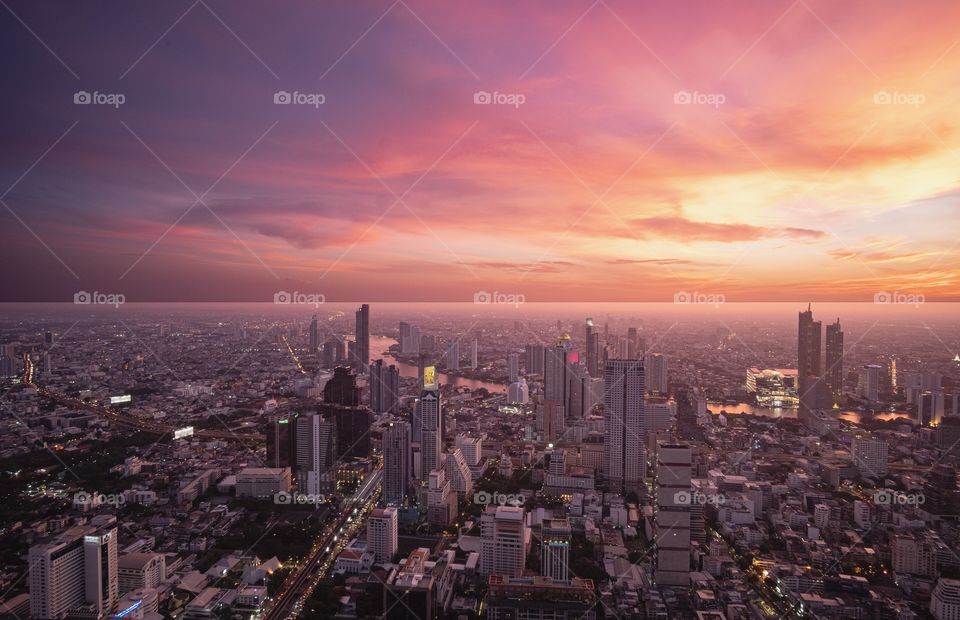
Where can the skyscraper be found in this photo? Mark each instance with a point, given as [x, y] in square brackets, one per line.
[624, 437]
[503, 533]
[452, 357]
[555, 549]
[382, 533]
[658, 380]
[314, 437]
[362, 349]
[592, 345]
[384, 387]
[342, 389]
[282, 442]
[314, 335]
[474, 354]
[430, 422]
[513, 367]
[834, 360]
[397, 468]
[533, 359]
[557, 371]
[808, 345]
[672, 517]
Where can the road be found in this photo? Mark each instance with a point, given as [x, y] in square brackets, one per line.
[298, 586]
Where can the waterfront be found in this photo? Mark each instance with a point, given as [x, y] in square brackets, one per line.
[769, 412]
[379, 346]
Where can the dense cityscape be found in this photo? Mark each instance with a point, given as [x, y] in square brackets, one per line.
[442, 463]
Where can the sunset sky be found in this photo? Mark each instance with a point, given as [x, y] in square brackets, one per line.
[819, 158]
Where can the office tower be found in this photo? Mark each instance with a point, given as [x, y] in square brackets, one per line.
[868, 382]
[624, 437]
[458, 473]
[412, 342]
[533, 359]
[870, 455]
[405, 332]
[930, 408]
[362, 347]
[808, 345]
[384, 387]
[408, 590]
[513, 367]
[633, 350]
[474, 354]
[48, 339]
[282, 442]
[429, 408]
[341, 388]
[452, 356]
[78, 567]
[518, 392]
[672, 517]
[555, 549]
[315, 453]
[622, 349]
[551, 419]
[314, 335]
[503, 534]
[592, 345]
[352, 427]
[471, 447]
[945, 600]
[382, 533]
[658, 381]
[557, 364]
[397, 468]
[834, 361]
[441, 499]
[47, 365]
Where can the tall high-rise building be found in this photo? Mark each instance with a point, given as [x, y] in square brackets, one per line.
[431, 425]
[474, 354]
[658, 380]
[834, 360]
[78, 567]
[315, 453]
[592, 345]
[282, 442]
[404, 336]
[633, 340]
[314, 335]
[362, 348]
[384, 387]
[672, 516]
[452, 356]
[558, 364]
[555, 549]
[382, 533]
[870, 455]
[808, 345]
[513, 367]
[533, 359]
[342, 389]
[352, 427]
[471, 447]
[458, 473]
[868, 382]
[624, 436]
[397, 469]
[503, 534]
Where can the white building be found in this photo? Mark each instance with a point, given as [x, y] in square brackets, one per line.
[471, 447]
[138, 571]
[518, 392]
[555, 549]
[870, 455]
[382, 533]
[503, 533]
[945, 600]
[458, 473]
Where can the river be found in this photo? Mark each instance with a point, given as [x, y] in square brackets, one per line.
[770, 412]
[379, 345]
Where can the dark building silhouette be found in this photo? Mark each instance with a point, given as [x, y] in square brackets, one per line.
[342, 388]
[282, 442]
[808, 345]
[833, 373]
